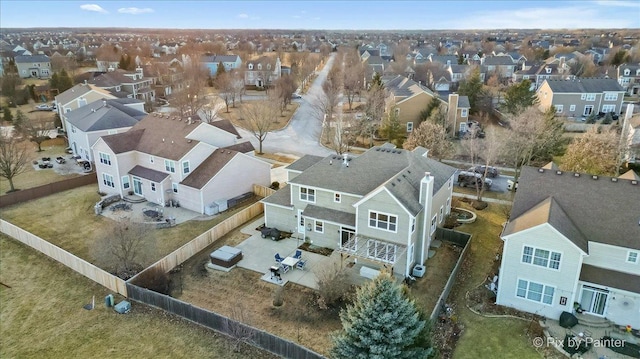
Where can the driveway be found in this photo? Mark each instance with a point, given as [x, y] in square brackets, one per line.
[302, 134]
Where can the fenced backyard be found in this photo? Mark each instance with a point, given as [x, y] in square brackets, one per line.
[46, 190]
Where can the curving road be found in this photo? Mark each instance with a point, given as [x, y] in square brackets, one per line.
[302, 134]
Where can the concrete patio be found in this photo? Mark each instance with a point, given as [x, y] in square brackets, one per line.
[589, 326]
[259, 256]
[135, 214]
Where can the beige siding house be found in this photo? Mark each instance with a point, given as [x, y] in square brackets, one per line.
[166, 159]
[381, 207]
[573, 241]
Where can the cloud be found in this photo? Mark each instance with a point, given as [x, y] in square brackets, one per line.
[93, 7]
[134, 10]
[618, 3]
[243, 16]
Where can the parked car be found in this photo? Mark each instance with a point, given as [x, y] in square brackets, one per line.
[492, 172]
[472, 179]
[43, 107]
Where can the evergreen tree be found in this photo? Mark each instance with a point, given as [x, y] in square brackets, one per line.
[220, 70]
[460, 59]
[391, 128]
[518, 97]
[19, 122]
[54, 81]
[377, 81]
[433, 104]
[473, 89]
[381, 323]
[64, 81]
[6, 115]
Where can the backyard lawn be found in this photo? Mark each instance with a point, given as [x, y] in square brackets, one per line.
[42, 316]
[235, 115]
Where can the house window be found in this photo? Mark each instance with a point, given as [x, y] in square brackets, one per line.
[559, 108]
[632, 257]
[125, 182]
[608, 108]
[572, 108]
[441, 213]
[250, 66]
[259, 66]
[174, 187]
[541, 257]
[587, 110]
[627, 72]
[413, 224]
[409, 126]
[336, 197]
[153, 187]
[169, 166]
[107, 179]
[383, 221]
[151, 160]
[319, 226]
[610, 96]
[535, 291]
[591, 97]
[396, 111]
[105, 158]
[385, 252]
[185, 167]
[464, 112]
[307, 194]
[433, 223]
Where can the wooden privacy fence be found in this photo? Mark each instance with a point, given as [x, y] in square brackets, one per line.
[202, 241]
[263, 191]
[222, 324]
[458, 238]
[79, 265]
[46, 190]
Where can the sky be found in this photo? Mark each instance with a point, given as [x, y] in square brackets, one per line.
[324, 15]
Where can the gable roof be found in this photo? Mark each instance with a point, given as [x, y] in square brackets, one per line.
[200, 176]
[584, 85]
[242, 147]
[104, 115]
[24, 59]
[304, 162]
[399, 170]
[220, 58]
[148, 173]
[77, 91]
[227, 126]
[463, 102]
[583, 208]
[498, 61]
[610, 278]
[401, 86]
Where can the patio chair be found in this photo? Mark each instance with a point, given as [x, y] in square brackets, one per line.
[285, 268]
[278, 258]
[301, 264]
[298, 254]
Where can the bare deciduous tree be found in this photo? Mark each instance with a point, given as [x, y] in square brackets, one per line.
[191, 97]
[13, 159]
[209, 113]
[325, 104]
[240, 327]
[36, 129]
[224, 84]
[433, 137]
[482, 151]
[284, 88]
[346, 133]
[353, 76]
[593, 153]
[125, 248]
[260, 117]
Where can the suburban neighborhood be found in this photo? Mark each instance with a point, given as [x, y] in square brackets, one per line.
[273, 187]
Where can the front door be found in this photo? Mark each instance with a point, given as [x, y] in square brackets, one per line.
[300, 222]
[137, 186]
[346, 234]
[594, 300]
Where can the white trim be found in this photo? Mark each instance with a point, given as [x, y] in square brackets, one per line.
[533, 256]
[315, 226]
[307, 194]
[321, 188]
[547, 225]
[544, 286]
[277, 205]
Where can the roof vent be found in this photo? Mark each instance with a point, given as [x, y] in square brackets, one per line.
[558, 172]
[172, 142]
[398, 179]
[540, 170]
[330, 162]
[594, 177]
[163, 140]
[576, 174]
[634, 182]
[393, 184]
[377, 149]
[613, 179]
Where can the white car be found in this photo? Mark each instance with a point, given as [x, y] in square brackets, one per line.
[43, 107]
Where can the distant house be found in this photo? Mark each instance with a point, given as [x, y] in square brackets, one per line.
[458, 114]
[230, 62]
[78, 96]
[105, 65]
[629, 78]
[381, 207]
[581, 96]
[503, 66]
[99, 118]
[38, 66]
[126, 84]
[572, 240]
[164, 158]
[262, 72]
[407, 98]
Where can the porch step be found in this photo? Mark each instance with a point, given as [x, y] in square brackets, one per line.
[593, 321]
[133, 199]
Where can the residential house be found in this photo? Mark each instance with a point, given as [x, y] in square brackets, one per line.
[381, 207]
[458, 114]
[167, 159]
[127, 84]
[443, 59]
[629, 78]
[99, 118]
[230, 62]
[38, 66]
[573, 239]
[105, 65]
[581, 96]
[262, 72]
[408, 99]
[503, 66]
[78, 96]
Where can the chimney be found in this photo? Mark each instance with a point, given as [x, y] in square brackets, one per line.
[426, 189]
[345, 160]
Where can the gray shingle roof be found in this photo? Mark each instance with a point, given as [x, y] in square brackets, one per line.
[601, 210]
[31, 59]
[72, 93]
[209, 168]
[498, 61]
[282, 197]
[585, 85]
[220, 58]
[463, 102]
[148, 173]
[610, 278]
[330, 215]
[104, 115]
[378, 166]
[304, 162]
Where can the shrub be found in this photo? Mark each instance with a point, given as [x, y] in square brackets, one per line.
[480, 205]
[278, 297]
[333, 287]
[275, 185]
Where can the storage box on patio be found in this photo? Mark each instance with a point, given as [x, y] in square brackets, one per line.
[226, 256]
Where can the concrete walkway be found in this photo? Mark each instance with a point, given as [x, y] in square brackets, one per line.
[486, 199]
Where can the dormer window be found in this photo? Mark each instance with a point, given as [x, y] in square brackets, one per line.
[250, 66]
[259, 66]
[548, 70]
[627, 72]
[638, 72]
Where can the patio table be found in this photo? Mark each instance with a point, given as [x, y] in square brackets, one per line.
[290, 261]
